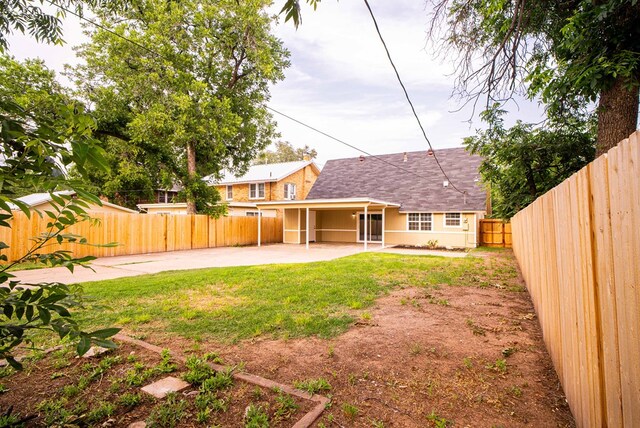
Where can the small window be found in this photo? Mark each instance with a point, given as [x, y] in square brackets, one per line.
[251, 213]
[452, 219]
[229, 193]
[256, 191]
[419, 221]
[289, 191]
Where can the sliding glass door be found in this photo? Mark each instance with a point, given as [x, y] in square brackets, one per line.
[374, 228]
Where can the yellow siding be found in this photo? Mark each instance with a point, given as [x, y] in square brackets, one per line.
[336, 226]
[464, 236]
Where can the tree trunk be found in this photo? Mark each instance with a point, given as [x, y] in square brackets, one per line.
[617, 115]
[191, 170]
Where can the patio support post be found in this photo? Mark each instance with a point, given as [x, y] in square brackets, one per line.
[366, 223]
[383, 210]
[307, 227]
[259, 226]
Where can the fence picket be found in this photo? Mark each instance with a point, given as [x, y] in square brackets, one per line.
[139, 234]
[578, 248]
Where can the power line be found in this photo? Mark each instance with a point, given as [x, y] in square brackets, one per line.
[406, 94]
[346, 144]
[274, 110]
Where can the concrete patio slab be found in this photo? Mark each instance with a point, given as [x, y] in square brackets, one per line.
[141, 264]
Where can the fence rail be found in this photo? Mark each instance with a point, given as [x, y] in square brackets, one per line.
[143, 233]
[495, 233]
[578, 247]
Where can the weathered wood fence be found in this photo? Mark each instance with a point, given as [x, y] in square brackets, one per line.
[578, 247]
[495, 233]
[143, 233]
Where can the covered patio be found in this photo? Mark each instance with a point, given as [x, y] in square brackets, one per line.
[349, 220]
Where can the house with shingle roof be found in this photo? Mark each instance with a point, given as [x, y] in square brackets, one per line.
[393, 199]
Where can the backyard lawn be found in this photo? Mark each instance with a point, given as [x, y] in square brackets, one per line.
[393, 340]
[279, 301]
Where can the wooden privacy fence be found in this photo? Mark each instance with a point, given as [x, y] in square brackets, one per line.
[143, 233]
[495, 233]
[579, 250]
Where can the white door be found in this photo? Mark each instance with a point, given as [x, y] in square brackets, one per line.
[312, 226]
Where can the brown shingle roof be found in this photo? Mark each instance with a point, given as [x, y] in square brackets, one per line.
[373, 178]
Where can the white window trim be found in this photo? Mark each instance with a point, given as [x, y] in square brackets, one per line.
[264, 190]
[229, 186]
[444, 221]
[253, 213]
[287, 190]
[419, 230]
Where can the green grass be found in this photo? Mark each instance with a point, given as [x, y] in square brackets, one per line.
[294, 300]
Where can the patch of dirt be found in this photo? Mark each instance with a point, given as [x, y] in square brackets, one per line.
[44, 390]
[464, 355]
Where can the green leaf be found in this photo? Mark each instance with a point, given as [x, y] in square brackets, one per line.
[14, 363]
[104, 333]
[83, 345]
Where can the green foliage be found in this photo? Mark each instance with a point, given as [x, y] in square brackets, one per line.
[42, 132]
[350, 411]
[129, 399]
[438, 421]
[256, 417]
[220, 380]
[192, 107]
[285, 152]
[313, 386]
[285, 406]
[101, 411]
[199, 370]
[568, 53]
[167, 414]
[523, 162]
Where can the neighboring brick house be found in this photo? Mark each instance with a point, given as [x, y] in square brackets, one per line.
[285, 181]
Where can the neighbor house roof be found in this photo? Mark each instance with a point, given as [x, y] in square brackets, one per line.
[262, 173]
[36, 199]
[415, 183]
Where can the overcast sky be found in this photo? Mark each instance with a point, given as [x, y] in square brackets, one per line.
[341, 82]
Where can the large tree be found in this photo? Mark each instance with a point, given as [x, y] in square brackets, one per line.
[188, 82]
[571, 53]
[523, 162]
[285, 152]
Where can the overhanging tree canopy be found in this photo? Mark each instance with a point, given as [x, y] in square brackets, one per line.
[569, 52]
[196, 96]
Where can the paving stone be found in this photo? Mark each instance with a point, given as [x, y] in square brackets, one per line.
[95, 350]
[139, 424]
[164, 386]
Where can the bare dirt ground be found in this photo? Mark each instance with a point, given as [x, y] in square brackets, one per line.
[464, 356]
[467, 355]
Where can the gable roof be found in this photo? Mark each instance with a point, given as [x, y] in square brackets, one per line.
[262, 173]
[417, 184]
[36, 199]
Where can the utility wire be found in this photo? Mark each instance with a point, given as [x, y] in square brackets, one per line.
[406, 94]
[159, 55]
[347, 144]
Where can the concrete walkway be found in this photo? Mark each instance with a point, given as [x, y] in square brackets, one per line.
[141, 264]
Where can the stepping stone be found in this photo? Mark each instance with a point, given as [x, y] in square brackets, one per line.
[95, 350]
[161, 388]
[139, 424]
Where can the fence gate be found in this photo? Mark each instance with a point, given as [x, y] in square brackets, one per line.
[495, 233]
